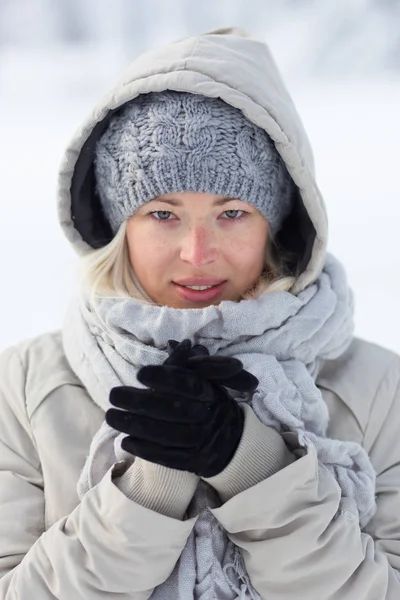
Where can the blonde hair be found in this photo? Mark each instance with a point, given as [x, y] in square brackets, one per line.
[107, 273]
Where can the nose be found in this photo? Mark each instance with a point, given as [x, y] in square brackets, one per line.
[199, 246]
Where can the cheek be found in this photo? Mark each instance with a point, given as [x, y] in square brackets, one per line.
[249, 250]
[248, 263]
[147, 252]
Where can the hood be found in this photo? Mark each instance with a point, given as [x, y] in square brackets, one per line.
[231, 65]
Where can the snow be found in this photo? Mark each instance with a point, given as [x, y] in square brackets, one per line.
[354, 127]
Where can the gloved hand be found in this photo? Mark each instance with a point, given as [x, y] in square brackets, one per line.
[186, 420]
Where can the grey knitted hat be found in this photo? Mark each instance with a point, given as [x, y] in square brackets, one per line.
[177, 141]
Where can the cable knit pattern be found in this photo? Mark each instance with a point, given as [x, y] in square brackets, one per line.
[174, 142]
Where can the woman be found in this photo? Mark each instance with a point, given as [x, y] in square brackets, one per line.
[230, 442]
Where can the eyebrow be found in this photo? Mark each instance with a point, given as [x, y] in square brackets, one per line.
[219, 202]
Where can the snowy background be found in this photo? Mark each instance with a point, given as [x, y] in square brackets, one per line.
[340, 60]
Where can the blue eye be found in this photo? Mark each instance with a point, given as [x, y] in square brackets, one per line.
[232, 210]
[167, 212]
[161, 212]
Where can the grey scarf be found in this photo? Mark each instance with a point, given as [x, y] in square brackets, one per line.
[283, 340]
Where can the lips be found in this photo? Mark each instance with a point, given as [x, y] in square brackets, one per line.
[199, 281]
[199, 295]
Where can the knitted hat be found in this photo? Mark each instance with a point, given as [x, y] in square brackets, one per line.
[177, 141]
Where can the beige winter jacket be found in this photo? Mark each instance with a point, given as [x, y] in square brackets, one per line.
[124, 538]
[108, 546]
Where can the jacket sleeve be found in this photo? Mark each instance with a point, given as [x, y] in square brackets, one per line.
[108, 546]
[300, 541]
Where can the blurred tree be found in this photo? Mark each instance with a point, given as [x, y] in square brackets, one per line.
[4, 29]
[392, 12]
[341, 36]
[135, 26]
[71, 24]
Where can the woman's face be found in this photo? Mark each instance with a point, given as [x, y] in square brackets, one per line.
[192, 235]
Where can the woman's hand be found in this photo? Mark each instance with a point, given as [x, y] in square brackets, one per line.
[186, 420]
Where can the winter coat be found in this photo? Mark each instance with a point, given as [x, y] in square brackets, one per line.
[52, 546]
[294, 541]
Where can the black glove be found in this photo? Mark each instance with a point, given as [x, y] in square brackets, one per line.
[224, 370]
[186, 420]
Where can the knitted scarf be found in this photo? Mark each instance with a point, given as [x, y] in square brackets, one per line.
[282, 339]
